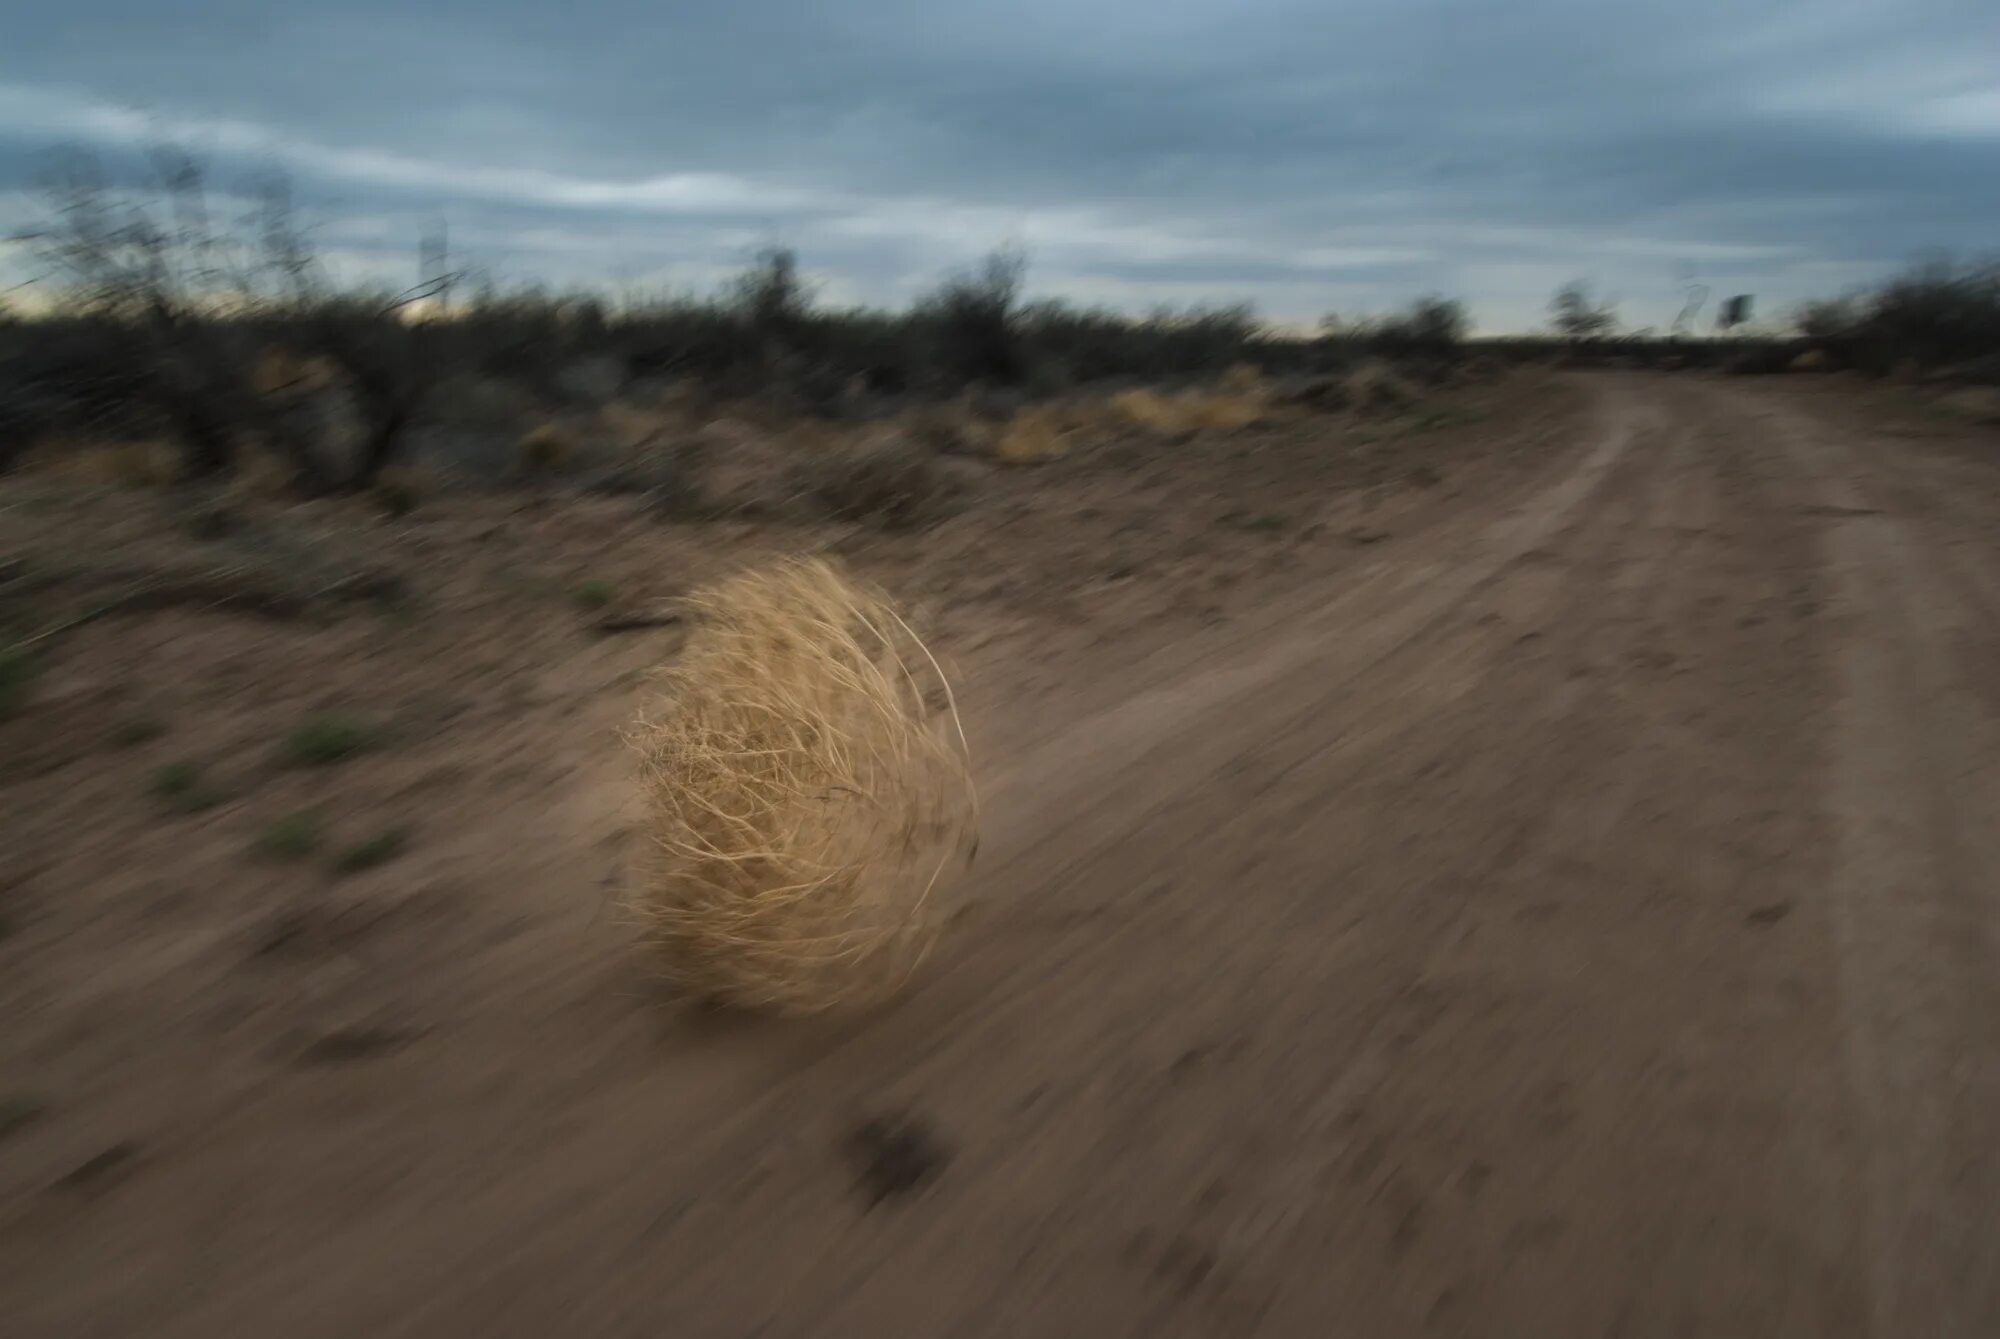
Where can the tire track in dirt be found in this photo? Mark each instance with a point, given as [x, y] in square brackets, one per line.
[1915, 789]
[1580, 891]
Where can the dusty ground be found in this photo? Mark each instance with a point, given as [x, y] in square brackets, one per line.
[1533, 876]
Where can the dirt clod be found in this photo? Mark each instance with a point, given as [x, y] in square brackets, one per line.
[102, 1169]
[894, 1156]
[347, 1045]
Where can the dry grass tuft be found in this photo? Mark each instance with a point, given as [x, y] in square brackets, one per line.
[108, 464]
[1245, 379]
[635, 427]
[1226, 410]
[951, 429]
[1237, 404]
[1032, 436]
[544, 448]
[1147, 410]
[809, 791]
[885, 480]
[1375, 385]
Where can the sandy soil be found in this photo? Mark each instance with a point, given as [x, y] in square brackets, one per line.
[1539, 881]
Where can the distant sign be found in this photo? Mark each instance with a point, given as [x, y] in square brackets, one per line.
[1735, 312]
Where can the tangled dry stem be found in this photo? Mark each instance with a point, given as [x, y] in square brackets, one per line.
[810, 795]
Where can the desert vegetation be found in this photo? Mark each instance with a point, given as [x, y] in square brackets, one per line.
[174, 340]
[1939, 316]
[178, 341]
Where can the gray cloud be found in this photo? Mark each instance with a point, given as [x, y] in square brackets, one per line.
[1304, 155]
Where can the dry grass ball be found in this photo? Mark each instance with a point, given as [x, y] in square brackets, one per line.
[809, 791]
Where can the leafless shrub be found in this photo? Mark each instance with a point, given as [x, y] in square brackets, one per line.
[972, 318]
[773, 300]
[1578, 316]
[1375, 385]
[1937, 313]
[1079, 346]
[1431, 328]
[891, 482]
[191, 311]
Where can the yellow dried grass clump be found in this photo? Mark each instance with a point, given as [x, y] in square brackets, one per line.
[1226, 410]
[1234, 406]
[810, 795]
[1245, 379]
[1033, 435]
[1147, 410]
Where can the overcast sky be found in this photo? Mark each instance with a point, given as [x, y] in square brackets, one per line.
[1307, 155]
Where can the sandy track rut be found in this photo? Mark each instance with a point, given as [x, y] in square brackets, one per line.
[1579, 922]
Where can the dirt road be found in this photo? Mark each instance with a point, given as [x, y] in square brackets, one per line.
[1581, 920]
